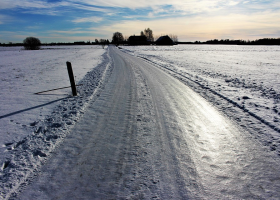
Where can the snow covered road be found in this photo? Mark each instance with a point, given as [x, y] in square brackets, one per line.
[149, 136]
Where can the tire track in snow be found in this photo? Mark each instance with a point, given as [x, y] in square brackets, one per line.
[117, 149]
[255, 125]
[218, 147]
[148, 136]
[157, 126]
[179, 76]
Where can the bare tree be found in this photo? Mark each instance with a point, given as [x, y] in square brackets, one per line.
[173, 37]
[149, 34]
[31, 43]
[117, 38]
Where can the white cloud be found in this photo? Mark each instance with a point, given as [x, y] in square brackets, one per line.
[45, 7]
[197, 19]
[232, 26]
[158, 6]
[187, 5]
[4, 19]
[88, 19]
[89, 8]
[69, 32]
[16, 36]
[233, 3]
[7, 4]
[43, 12]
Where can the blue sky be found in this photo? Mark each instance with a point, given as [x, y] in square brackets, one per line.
[190, 20]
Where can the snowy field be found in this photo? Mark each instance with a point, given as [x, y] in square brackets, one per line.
[248, 75]
[24, 73]
[38, 123]
[245, 77]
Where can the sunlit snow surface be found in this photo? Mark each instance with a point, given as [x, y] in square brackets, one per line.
[149, 136]
[246, 76]
[235, 71]
[33, 125]
[23, 73]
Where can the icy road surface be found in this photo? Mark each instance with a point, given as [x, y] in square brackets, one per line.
[149, 136]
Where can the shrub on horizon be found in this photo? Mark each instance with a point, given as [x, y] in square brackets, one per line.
[31, 43]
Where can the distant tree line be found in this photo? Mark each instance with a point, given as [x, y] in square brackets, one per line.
[118, 39]
[32, 43]
[102, 42]
[264, 41]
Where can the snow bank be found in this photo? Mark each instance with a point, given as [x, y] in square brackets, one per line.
[24, 73]
[33, 125]
[246, 78]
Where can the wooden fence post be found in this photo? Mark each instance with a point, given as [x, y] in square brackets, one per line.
[71, 78]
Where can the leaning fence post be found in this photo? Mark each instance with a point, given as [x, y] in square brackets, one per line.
[71, 78]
